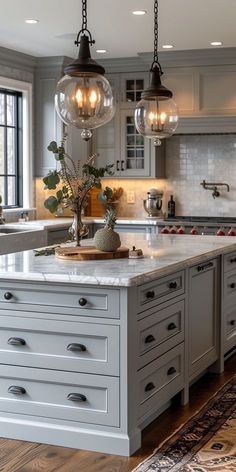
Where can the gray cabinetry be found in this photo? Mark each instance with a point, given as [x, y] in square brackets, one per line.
[229, 302]
[118, 142]
[48, 126]
[203, 306]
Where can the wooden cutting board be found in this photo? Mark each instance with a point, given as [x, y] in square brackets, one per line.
[89, 253]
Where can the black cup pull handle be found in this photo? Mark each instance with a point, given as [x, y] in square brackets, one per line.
[16, 390]
[76, 397]
[16, 342]
[75, 347]
[150, 294]
[82, 301]
[171, 326]
[232, 285]
[149, 339]
[8, 296]
[232, 322]
[173, 285]
[171, 371]
[233, 260]
[150, 386]
[204, 266]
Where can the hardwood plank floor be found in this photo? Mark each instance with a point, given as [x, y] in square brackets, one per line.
[20, 456]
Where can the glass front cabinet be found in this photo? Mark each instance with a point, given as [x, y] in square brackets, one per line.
[118, 142]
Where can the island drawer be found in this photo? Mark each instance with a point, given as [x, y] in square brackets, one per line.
[76, 347]
[60, 395]
[230, 288]
[73, 300]
[160, 381]
[230, 330]
[160, 290]
[229, 261]
[160, 331]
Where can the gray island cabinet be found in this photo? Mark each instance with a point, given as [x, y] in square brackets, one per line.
[91, 352]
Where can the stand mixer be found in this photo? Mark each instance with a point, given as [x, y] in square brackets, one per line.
[153, 203]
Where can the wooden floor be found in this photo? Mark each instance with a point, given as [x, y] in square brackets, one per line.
[31, 457]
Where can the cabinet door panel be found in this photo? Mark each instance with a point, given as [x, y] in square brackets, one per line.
[202, 316]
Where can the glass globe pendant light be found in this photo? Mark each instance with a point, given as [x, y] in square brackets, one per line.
[156, 115]
[83, 96]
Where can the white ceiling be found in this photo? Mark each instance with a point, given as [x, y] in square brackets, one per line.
[188, 24]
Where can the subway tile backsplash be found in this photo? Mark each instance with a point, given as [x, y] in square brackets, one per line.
[189, 160]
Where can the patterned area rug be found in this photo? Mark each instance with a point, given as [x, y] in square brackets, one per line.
[206, 443]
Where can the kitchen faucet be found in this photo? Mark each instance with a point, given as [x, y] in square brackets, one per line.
[214, 186]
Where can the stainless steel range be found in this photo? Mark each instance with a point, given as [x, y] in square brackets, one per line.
[203, 225]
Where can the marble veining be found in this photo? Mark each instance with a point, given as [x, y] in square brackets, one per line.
[163, 254]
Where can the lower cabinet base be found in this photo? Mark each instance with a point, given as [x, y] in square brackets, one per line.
[57, 435]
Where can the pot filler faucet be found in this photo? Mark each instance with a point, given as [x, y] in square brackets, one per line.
[214, 186]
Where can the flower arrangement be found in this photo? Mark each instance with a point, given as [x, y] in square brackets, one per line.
[73, 184]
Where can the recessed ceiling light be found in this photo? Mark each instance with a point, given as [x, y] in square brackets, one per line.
[216, 43]
[167, 46]
[101, 51]
[31, 21]
[139, 12]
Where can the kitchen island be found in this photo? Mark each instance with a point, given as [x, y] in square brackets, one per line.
[91, 352]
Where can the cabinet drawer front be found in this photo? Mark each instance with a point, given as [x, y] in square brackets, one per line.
[230, 330]
[161, 380]
[60, 395]
[78, 347]
[160, 331]
[230, 288]
[58, 299]
[57, 236]
[229, 261]
[162, 290]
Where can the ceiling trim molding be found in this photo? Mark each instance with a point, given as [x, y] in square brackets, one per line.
[17, 60]
[188, 58]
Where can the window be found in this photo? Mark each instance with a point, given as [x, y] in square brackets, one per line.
[16, 165]
[10, 147]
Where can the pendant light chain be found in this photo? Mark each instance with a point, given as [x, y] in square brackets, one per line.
[155, 56]
[84, 28]
[84, 15]
[156, 31]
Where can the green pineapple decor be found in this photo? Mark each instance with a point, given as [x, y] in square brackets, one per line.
[106, 239]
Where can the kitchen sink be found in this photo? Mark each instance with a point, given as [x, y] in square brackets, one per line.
[8, 229]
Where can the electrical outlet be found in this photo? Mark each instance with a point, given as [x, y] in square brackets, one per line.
[130, 196]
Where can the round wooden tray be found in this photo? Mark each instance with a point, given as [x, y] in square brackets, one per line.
[89, 253]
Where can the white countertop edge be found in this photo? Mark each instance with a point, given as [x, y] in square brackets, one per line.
[116, 281]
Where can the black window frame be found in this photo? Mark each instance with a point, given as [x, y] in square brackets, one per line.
[18, 148]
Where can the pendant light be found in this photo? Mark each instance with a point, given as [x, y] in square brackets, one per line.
[83, 96]
[156, 115]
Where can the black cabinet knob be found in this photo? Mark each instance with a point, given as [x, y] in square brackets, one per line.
[74, 347]
[8, 295]
[149, 339]
[171, 371]
[171, 326]
[150, 386]
[232, 285]
[150, 294]
[173, 285]
[76, 397]
[82, 301]
[16, 342]
[232, 322]
[16, 390]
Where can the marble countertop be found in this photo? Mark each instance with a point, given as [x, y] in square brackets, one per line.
[66, 222]
[163, 254]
